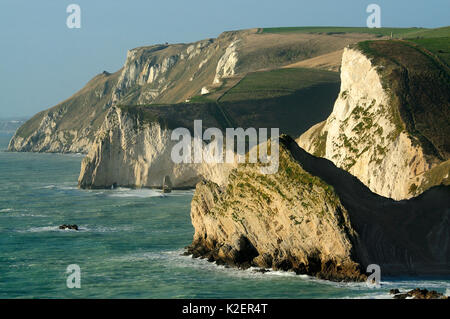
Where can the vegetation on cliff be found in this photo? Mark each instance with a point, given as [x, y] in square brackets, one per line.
[168, 74]
[314, 218]
[419, 83]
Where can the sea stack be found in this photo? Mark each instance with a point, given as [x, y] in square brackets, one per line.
[167, 185]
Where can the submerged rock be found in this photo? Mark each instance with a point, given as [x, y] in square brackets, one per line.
[418, 294]
[72, 227]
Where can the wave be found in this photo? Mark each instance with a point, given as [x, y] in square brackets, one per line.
[60, 187]
[176, 193]
[176, 259]
[10, 212]
[49, 187]
[140, 193]
[40, 229]
[96, 229]
[77, 155]
[24, 215]
[106, 229]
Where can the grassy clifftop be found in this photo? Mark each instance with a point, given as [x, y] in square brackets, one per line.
[171, 73]
[419, 82]
[395, 32]
[314, 218]
[276, 83]
[290, 99]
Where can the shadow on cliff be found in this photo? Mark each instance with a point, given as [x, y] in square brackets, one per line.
[406, 238]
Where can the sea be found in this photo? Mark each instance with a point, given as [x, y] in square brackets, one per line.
[130, 243]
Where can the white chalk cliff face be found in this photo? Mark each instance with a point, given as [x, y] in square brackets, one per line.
[363, 137]
[48, 138]
[69, 127]
[165, 74]
[130, 153]
[153, 74]
[160, 73]
[226, 66]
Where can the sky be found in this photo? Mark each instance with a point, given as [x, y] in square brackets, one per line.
[43, 62]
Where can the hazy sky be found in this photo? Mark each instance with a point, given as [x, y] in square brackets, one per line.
[42, 62]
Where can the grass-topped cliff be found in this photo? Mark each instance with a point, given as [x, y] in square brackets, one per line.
[171, 74]
[263, 99]
[419, 83]
[314, 218]
[390, 123]
[70, 126]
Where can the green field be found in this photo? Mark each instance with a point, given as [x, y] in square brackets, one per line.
[430, 33]
[276, 83]
[291, 99]
[396, 32]
[438, 46]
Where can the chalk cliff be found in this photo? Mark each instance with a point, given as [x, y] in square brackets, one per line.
[384, 129]
[134, 151]
[70, 126]
[167, 74]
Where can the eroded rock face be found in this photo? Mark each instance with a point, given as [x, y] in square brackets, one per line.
[289, 221]
[47, 138]
[314, 218]
[152, 74]
[364, 134]
[418, 294]
[128, 152]
[70, 126]
[227, 64]
[166, 74]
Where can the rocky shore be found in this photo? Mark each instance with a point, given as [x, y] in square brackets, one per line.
[417, 294]
[314, 218]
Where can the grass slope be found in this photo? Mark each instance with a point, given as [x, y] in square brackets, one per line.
[85, 109]
[420, 86]
[289, 99]
[276, 83]
[397, 32]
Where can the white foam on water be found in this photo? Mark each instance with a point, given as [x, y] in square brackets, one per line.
[176, 193]
[63, 186]
[95, 229]
[39, 229]
[16, 214]
[404, 285]
[68, 188]
[176, 259]
[106, 229]
[29, 215]
[11, 213]
[377, 295]
[52, 186]
[140, 193]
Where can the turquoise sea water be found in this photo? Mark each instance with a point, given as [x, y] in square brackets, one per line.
[130, 244]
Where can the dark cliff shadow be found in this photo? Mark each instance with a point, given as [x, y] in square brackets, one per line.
[407, 237]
